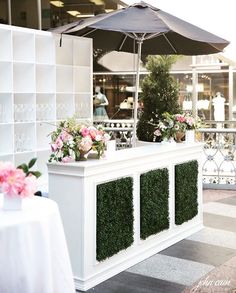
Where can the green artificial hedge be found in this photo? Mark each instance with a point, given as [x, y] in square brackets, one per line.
[114, 217]
[154, 194]
[186, 191]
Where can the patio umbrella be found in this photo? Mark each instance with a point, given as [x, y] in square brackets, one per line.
[142, 28]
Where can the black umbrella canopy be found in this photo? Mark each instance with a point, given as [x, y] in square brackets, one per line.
[161, 32]
[154, 31]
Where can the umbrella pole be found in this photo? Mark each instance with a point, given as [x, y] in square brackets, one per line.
[136, 92]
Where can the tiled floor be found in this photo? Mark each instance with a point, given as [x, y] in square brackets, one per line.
[204, 262]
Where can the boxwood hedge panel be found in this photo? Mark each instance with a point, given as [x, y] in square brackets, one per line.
[154, 194]
[186, 191]
[114, 217]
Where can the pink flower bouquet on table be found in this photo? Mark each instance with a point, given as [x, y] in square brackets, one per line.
[71, 140]
[13, 181]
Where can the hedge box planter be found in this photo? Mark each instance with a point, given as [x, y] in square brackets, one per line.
[186, 191]
[114, 217]
[154, 208]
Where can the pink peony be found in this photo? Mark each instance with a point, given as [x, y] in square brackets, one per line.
[29, 187]
[85, 144]
[93, 133]
[13, 181]
[85, 131]
[4, 170]
[180, 118]
[67, 159]
[65, 136]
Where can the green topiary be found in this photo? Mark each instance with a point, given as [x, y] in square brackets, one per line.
[154, 207]
[114, 217]
[159, 95]
[186, 191]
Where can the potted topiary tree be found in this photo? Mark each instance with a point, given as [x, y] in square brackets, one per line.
[159, 95]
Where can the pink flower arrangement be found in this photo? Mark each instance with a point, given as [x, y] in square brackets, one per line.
[13, 181]
[70, 139]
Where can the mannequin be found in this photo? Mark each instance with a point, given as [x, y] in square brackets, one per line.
[219, 107]
[99, 103]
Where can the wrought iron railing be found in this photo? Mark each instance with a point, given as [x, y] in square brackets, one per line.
[120, 130]
[219, 162]
[219, 165]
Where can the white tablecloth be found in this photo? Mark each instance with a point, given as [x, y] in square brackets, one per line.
[33, 252]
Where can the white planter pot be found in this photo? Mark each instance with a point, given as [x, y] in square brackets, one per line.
[190, 136]
[12, 202]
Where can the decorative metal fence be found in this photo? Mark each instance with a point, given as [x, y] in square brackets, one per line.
[219, 162]
[219, 165]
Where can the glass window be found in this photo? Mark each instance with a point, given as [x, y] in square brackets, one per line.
[209, 86]
[4, 11]
[25, 13]
[234, 96]
[57, 13]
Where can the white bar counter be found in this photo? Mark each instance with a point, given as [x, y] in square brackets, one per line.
[74, 187]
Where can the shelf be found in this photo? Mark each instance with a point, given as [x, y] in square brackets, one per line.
[45, 78]
[64, 80]
[83, 106]
[82, 79]
[64, 54]
[45, 52]
[24, 108]
[6, 145]
[82, 47]
[6, 45]
[23, 46]
[24, 137]
[5, 77]
[45, 107]
[6, 111]
[64, 106]
[24, 78]
[43, 135]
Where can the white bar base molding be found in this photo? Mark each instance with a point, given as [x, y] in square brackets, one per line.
[120, 210]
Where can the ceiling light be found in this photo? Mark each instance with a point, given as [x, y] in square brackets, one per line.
[85, 15]
[73, 12]
[97, 2]
[57, 3]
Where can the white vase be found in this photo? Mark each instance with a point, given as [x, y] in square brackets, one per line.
[190, 136]
[169, 141]
[12, 202]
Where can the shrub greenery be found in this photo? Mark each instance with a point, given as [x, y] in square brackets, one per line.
[114, 217]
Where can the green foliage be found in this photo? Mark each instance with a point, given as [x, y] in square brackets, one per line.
[26, 168]
[186, 191]
[114, 217]
[159, 95]
[154, 194]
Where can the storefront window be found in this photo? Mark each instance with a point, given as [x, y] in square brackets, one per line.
[4, 11]
[209, 86]
[57, 13]
[25, 13]
[234, 96]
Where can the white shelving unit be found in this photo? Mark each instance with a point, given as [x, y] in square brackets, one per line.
[40, 84]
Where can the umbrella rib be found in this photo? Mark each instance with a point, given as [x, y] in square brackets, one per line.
[168, 41]
[86, 34]
[122, 43]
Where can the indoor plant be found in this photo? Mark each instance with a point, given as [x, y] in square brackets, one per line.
[72, 140]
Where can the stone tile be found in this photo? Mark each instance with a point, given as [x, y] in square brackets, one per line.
[220, 209]
[200, 252]
[215, 237]
[220, 280]
[215, 195]
[231, 262]
[229, 200]
[171, 269]
[126, 282]
[219, 222]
